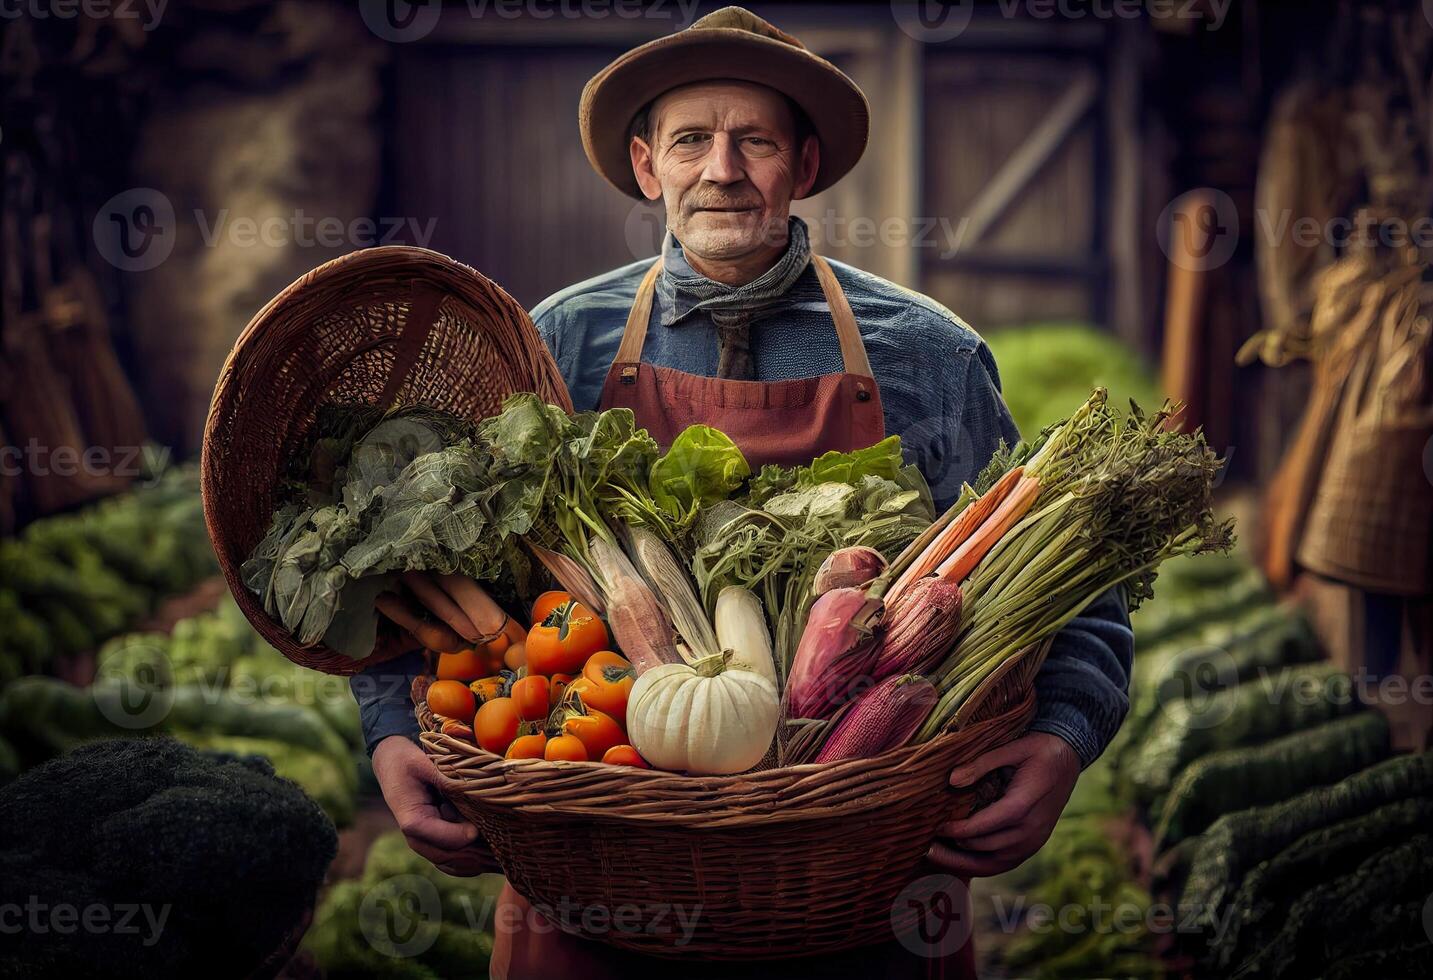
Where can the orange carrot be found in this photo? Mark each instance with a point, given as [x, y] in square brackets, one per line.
[955, 533]
[1007, 515]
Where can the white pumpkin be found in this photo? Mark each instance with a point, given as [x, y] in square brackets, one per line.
[704, 718]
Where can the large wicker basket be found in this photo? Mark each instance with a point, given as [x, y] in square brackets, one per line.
[770, 864]
[391, 326]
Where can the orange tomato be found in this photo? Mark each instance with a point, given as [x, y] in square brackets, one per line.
[624, 755]
[487, 688]
[557, 689]
[498, 646]
[451, 699]
[530, 695]
[496, 725]
[516, 656]
[462, 665]
[566, 748]
[596, 729]
[546, 603]
[527, 747]
[563, 641]
[609, 679]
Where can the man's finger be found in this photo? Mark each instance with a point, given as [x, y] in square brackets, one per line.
[423, 824]
[440, 604]
[434, 636]
[965, 864]
[1011, 754]
[998, 840]
[1008, 811]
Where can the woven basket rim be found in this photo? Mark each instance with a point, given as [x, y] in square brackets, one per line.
[330, 287]
[785, 793]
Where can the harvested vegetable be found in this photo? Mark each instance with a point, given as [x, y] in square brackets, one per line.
[624, 755]
[1271, 887]
[881, 719]
[1117, 496]
[837, 653]
[1276, 704]
[741, 631]
[854, 567]
[606, 683]
[596, 730]
[562, 642]
[565, 748]
[705, 718]
[1237, 841]
[1270, 773]
[919, 628]
[452, 699]
[639, 622]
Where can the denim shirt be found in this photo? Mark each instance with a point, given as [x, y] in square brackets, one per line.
[939, 389]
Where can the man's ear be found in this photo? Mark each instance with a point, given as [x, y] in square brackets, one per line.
[644, 168]
[807, 166]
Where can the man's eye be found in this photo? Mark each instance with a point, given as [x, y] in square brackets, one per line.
[690, 138]
[759, 140]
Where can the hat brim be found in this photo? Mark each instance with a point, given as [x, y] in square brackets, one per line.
[835, 105]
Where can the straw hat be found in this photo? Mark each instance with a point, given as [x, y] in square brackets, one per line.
[731, 43]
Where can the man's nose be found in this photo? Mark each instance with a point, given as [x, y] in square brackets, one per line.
[724, 164]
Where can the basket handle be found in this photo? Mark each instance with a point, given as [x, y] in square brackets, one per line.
[418, 323]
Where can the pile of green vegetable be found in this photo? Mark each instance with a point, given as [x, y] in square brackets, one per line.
[70, 582]
[138, 858]
[404, 920]
[1045, 368]
[213, 683]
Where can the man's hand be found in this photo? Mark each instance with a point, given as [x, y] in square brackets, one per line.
[1004, 834]
[411, 787]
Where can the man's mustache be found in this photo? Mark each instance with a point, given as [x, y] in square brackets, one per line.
[711, 201]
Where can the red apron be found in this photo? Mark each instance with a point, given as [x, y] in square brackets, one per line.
[785, 422]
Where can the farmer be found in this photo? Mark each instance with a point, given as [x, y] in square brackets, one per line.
[740, 326]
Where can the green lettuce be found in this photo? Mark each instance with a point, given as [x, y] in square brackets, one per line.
[702, 467]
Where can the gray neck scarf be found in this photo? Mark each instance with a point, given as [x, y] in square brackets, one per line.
[732, 308]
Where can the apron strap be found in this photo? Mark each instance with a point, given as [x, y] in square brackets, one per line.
[853, 351]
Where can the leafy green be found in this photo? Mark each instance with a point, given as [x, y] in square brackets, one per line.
[881, 460]
[416, 492]
[702, 466]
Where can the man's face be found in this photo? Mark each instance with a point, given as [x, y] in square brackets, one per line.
[723, 157]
